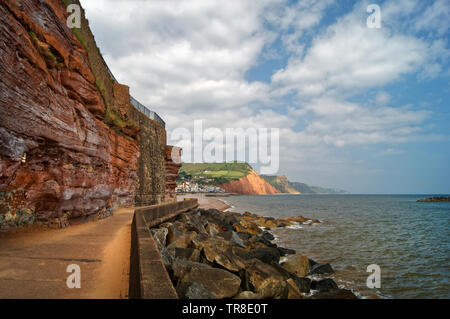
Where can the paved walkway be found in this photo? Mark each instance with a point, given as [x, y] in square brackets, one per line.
[34, 264]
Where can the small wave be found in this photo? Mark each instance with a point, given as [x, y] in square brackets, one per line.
[294, 227]
[224, 201]
[229, 209]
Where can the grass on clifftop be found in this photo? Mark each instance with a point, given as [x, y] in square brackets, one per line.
[219, 172]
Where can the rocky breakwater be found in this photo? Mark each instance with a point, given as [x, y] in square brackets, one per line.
[210, 254]
[59, 158]
[435, 199]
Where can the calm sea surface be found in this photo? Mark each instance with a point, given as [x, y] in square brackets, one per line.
[408, 240]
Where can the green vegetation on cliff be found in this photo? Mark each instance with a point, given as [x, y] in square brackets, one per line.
[282, 184]
[221, 173]
[214, 173]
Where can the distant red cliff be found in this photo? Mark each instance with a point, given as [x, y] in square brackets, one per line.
[251, 184]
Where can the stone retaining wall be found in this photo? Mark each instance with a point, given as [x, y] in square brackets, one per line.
[148, 276]
[151, 136]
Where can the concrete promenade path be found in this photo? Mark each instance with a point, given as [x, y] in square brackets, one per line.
[33, 263]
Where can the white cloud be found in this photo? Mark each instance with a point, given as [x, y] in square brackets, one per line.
[189, 59]
[294, 21]
[382, 98]
[179, 55]
[435, 18]
[350, 57]
[340, 123]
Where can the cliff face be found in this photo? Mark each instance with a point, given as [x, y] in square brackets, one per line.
[173, 164]
[58, 159]
[281, 183]
[251, 184]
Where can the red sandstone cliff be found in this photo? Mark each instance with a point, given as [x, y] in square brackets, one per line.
[58, 159]
[251, 184]
[172, 165]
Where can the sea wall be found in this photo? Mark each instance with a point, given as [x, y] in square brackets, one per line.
[148, 276]
[126, 119]
[150, 188]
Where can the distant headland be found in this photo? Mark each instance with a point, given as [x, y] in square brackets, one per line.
[240, 178]
[436, 199]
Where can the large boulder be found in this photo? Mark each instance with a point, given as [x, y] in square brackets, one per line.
[212, 229]
[194, 290]
[298, 219]
[267, 236]
[247, 226]
[256, 245]
[192, 222]
[218, 250]
[297, 264]
[232, 237]
[167, 255]
[230, 261]
[217, 217]
[219, 282]
[230, 219]
[303, 283]
[264, 280]
[210, 246]
[160, 236]
[247, 295]
[180, 267]
[285, 251]
[257, 241]
[266, 222]
[321, 269]
[336, 294]
[324, 285]
[177, 237]
[191, 254]
[293, 290]
[249, 214]
[311, 263]
[266, 255]
[284, 222]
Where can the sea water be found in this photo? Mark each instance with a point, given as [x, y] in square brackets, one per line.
[409, 240]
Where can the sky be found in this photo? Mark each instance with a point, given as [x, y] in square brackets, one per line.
[358, 108]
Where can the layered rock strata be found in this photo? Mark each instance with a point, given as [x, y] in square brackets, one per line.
[251, 184]
[60, 160]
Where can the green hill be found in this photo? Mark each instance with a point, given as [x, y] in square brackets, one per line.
[281, 183]
[213, 173]
[285, 186]
[220, 173]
